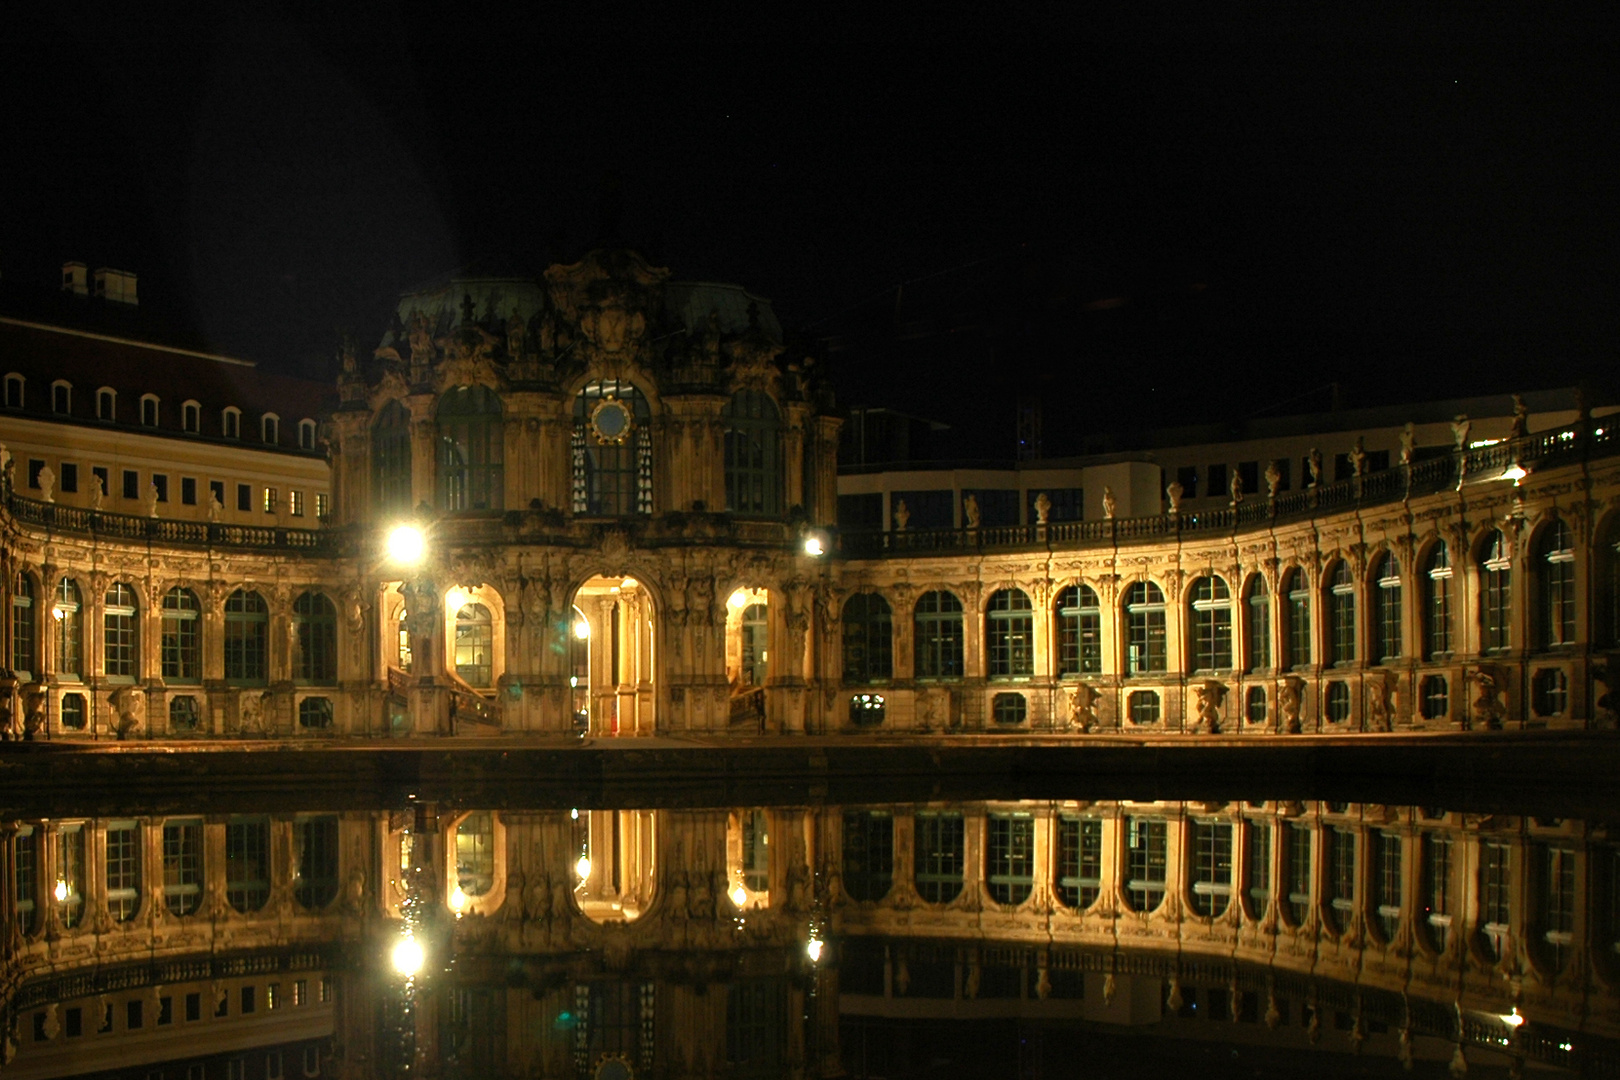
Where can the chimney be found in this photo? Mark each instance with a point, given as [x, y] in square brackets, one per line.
[116, 285]
[74, 279]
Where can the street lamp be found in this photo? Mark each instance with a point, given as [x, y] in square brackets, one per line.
[408, 956]
[405, 545]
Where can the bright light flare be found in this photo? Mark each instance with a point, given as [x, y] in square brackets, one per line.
[61, 891]
[737, 599]
[813, 546]
[1514, 472]
[1513, 1019]
[812, 949]
[582, 868]
[739, 896]
[582, 630]
[458, 901]
[405, 545]
[408, 957]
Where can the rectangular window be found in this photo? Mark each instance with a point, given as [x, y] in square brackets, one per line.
[1495, 892]
[161, 483]
[1259, 628]
[1297, 867]
[1187, 477]
[247, 863]
[194, 1006]
[1212, 866]
[1341, 870]
[24, 879]
[1387, 883]
[1257, 872]
[300, 991]
[269, 500]
[70, 477]
[250, 1000]
[322, 505]
[939, 857]
[61, 399]
[182, 866]
[1145, 863]
[295, 503]
[244, 496]
[868, 854]
[123, 870]
[188, 490]
[134, 1015]
[149, 412]
[99, 473]
[132, 484]
[1009, 860]
[1436, 876]
[14, 393]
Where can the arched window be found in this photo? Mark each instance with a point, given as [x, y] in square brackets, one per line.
[753, 453]
[62, 397]
[306, 434]
[1212, 624]
[314, 639]
[1341, 600]
[1146, 860]
[123, 870]
[180, 642]
[1606, 559]
[1496, 598]
[149, 410]
[475, 853]
[868, 852]
[868, 639]
[1079, 632]
[119, 649]
[471, 449]
[270, 428]
[1297, 613]
[1386, 579]
[1259, 625]
[247, 639]
[1555, 567]
[1009, 857]
[1010, 635]
[937, 622]
[69, 617]
[247, 863]
[191, 417]
[1434, 697]
[475, 645]
[230, 422]
[612, 450]
[315, 877]
[391, 459]
[24, 656]
[1436, 583]
[106, 404]
[755, 641]
[938, 864]
[1144, 629]
[14, 391]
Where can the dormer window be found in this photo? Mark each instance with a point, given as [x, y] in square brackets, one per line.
[231, 422]
[149, 410]
[107, 404]
[191, 417]
[14, 391]
[61, 397]
[306, 434]
[270, 428]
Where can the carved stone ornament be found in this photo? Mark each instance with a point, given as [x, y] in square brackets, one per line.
[1211, 695]
[1083, 707]
[1109, 503]
[1043, 509]
[1290, 703]
[970, 511]
[902, 515]
[1172, 497]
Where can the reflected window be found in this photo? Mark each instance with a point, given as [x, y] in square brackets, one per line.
[180, 638]
[1211, 866]
[755, 638]
[123, 870]
[182, 866]
[1495, 895]
[247, 639]
[1297, 872]
[1387, 608]
[1386, 900]
[1437, 603]
[25, 876]
[1211, 624]
[1341, 876]
[1496, 597]
[247, 863]
[1555, 905]
[1257, 868]
[938, 626]
[315, 881]
[868, 639]
[471, 450]
[475, 645]
[1079, 861]
[938, 870]
[752, 453]
[868, 854]
[756, 851]
[1144, 629]
[1145, 862]
[314, 639]
[1079, 632]
[1009, 857]
[70, 881]
[1010, 634]
[475, 853]
[1436, 883]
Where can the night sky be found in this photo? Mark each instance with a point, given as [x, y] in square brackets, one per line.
[1178, 215]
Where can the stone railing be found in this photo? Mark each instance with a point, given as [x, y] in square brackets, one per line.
[102, 524]
[1559, 446]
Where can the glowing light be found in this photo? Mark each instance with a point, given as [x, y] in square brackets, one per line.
[582, 630]
[573, 815]
[458, 901]
[739, 896]
[583, 867]
[737, 599]
[61, 891]
[406, 545]
[812, 545]
[1513, 1019]
[58, 614]
[455, 598]
[629, 583]
[1514, 472]
[408, 957]
[812, 949]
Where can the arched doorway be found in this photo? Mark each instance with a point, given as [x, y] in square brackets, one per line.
[611, 657]
[748, 655]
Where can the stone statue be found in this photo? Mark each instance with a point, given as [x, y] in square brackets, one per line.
[250, 712]
[1172, 496]
[1235, 487]
[1521, 418]
[970, 511]
[347, 362]
[215, 507]
[33, 696]
[1358, 457]
[1459, 430]
[1109, 504]
[129, 706]
[98, 494]
[1290, 703]
[514, 336]
[47, 484]
[1211, 695]
[1408, 443]
[151, 500]
[1273, 480]
[1489, 709]
[421, 337]
[901, 515]
[1315, 462]
[1083, 707]
[1380, 701]
[1043, 509]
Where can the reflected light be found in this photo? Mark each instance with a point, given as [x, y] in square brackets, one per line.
[405, 545]
[739, 896]
[812, 949]
[582, 629]
[408, 957]
[58, 614]
[1513, 1019]
[458, 901]
[629, 583]
[1514, 472]
[61, 891]
[737, 599]
[583, 867]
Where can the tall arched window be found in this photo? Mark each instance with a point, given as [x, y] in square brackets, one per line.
[1496, 597]
[475, 645]
[180, 641]
[753, 454]
[247, 639]
[612, 450]
[1079, 632]
[119, 646]
[1010, 635]
[391, 459]
[1386, 578]
[1341, 600]
[1297, 613]
[755, 631]
[937, 623]
[314, 639]
[1606, 560]
[868, 639]
[1555, 567]
[471, 449]
[1212, 624]
[1259, 625]
[1144, 629]
[69, 617]
[24, 660]
[1436, 583]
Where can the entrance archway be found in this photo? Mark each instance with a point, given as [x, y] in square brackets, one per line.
[611, 660]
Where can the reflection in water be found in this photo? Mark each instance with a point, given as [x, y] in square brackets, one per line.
[772, 941]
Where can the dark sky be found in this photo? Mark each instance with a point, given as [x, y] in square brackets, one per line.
[1363, 196]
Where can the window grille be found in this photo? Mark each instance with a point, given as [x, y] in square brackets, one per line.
[119, 616]
[613, 456]
[1435, 695]
[247, 639]
[1437, 891]
[868, 639]
[475, 853]
[1145, 629]
[1496, 894]
[474, 644]
[1257, 868]
[1437, 603]
[1009, 709]
[471, 449]
[315, 882]
[247, 863]
[1557, 592]
[938, 870]
[1009, 860]
[1146, 859]
[23, 656]
[1212, 866]
[70, 879]
[1342, 615]
[752, 453]
[1298, 629]
[1496, 599]
[69, 628]
[1143, 706]
[1387, 883]
[1079, 861]
[938, 636]
[182, 866]
[1010, 634]
[1387, 608]
[123, 870]
[1079, 619]
[1212, 624]
[868, 854]
[314, 639]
